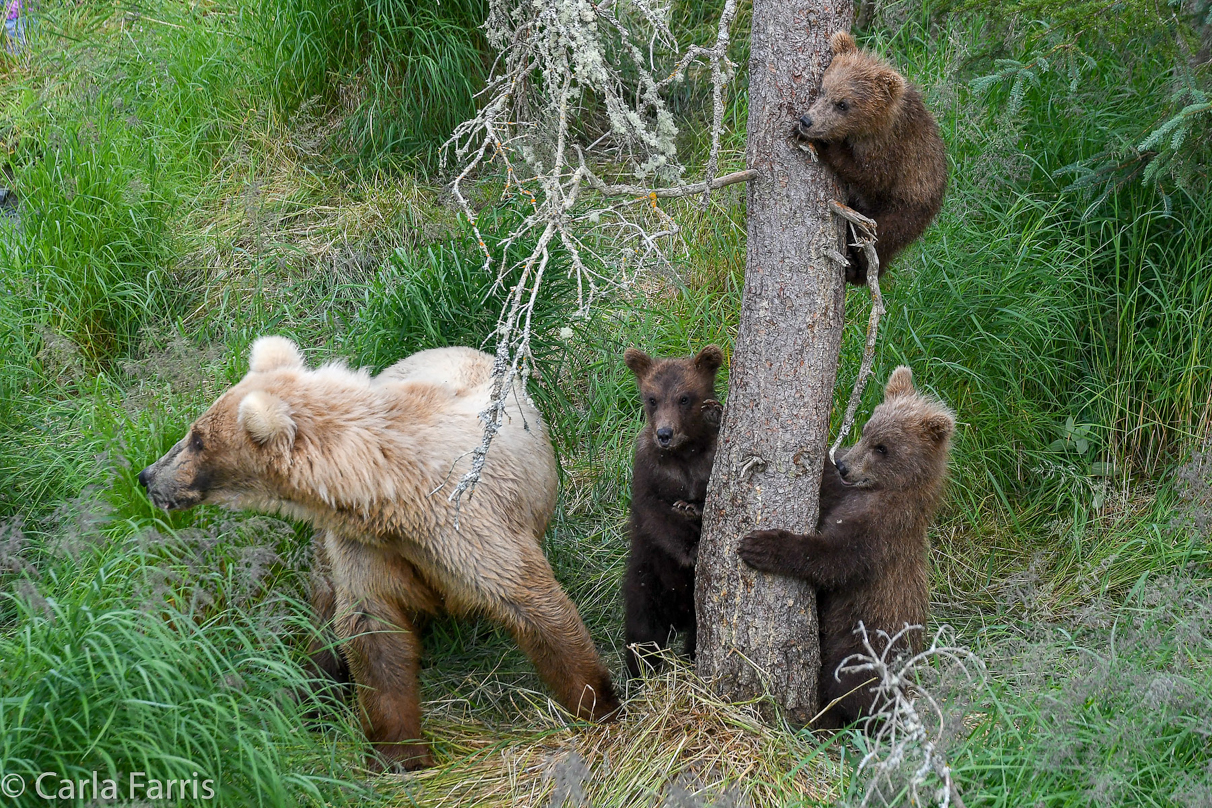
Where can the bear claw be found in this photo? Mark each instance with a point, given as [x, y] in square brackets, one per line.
[687, 509]
[400, 758]
[762, 549]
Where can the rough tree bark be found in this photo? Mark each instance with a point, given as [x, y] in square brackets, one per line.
[757, 633]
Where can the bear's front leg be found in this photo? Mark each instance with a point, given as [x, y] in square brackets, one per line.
[384, 657]
[325, 663]
[843, 554]
[329, 688]
[378, 594]
[776, 551]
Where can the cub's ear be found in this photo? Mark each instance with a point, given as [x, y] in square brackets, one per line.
[939, 426]
[639, 362]
[841, 42]
[267, 419]
[892, 83]
[900, 383]
[709, 360]
[272, 353]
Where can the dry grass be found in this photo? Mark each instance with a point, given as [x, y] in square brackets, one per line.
[279, 202]
[675, 738]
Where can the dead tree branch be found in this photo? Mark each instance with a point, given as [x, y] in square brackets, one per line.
[863, 230]
[905, 732]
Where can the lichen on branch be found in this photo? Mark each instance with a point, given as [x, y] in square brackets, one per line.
[576, 94]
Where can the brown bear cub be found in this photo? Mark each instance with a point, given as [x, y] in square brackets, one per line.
[870, 127]
[868, 556]
[673, 456]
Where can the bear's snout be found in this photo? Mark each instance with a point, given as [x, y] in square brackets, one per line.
[145, 476]
[843, 470]
[805, 123]
[664, 435]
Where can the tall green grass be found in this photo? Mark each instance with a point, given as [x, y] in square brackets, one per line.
[404, 73]
[135, 650]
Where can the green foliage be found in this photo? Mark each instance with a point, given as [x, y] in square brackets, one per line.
[1132, 89]
[1168, 139]
[404, 73]
[126, 661]
[94, 246]
[1110, 711]
[442, 296]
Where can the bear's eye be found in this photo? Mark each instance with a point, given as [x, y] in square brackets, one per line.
[842, 106]
[684, 400]
[195, 441]
[882, 449]
[651, 401]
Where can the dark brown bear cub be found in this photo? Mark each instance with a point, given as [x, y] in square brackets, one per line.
[868, 556]
[673, 456]
[870, 127]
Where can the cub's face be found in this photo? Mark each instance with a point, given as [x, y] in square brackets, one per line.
[904, 443]
[859, 96]
[673, 392]
[226, 452]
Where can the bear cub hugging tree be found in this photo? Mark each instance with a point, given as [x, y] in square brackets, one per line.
[673, 456]
[870, 127]
[868, 556]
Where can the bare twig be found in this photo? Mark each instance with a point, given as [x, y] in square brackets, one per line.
[853, 216]
[906, 729]
[863, 231]
[673, 193]
[721, 71]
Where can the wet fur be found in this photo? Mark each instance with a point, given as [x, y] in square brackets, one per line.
[868, 557]
[668, 488]
[885, 149]
[370, 463]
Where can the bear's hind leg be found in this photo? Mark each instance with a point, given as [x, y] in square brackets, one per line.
[545, 623]
[646, 627]
[847, 700]
[691, 632]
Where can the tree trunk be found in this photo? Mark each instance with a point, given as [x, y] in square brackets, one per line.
[757, 633]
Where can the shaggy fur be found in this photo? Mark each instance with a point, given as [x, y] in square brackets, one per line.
[673, 456]
[370, 463]
[868, 556]
[870, 127]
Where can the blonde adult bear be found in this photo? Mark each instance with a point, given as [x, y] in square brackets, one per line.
[370, 462]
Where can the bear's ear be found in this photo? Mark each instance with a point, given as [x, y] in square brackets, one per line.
[893, 84]
[900, 383]
[639, 362]
[267, 419]
[841, 42]
[939, 426]
[709, 360]
[272, 353]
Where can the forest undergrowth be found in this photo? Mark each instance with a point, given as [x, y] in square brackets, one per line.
[191, 176]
